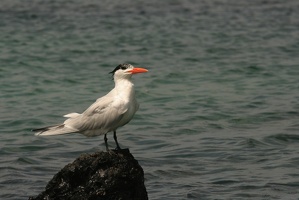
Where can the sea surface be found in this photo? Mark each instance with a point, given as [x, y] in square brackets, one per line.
[219, 107]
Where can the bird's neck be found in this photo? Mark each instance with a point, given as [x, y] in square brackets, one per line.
[124, 88]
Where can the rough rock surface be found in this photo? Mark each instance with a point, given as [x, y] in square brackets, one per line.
[101, 175]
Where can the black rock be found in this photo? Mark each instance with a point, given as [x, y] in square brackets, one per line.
[102, 175]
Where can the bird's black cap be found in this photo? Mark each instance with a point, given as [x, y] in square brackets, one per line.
[120, 66]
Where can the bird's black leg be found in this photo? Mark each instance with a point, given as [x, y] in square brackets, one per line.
[115, 139]
[106, 143]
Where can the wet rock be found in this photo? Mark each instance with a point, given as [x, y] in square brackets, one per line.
[102, 175]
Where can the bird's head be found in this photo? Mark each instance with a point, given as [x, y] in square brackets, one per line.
[125, 71]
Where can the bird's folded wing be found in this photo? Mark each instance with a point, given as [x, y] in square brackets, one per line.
[103, 114]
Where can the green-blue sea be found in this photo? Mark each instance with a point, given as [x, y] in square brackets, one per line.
[219, 107]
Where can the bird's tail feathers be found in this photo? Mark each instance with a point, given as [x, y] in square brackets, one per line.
[54, 130]
[72, 115]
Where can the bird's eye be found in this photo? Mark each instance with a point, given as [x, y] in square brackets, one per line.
[123, 67]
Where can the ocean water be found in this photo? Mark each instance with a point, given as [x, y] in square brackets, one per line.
[219, 108]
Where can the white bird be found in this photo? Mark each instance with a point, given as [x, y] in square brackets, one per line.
[107, 114]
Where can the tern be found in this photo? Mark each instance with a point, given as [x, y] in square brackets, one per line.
[108, 113]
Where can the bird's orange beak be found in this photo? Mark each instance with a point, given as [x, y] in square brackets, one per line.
[137, 70]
